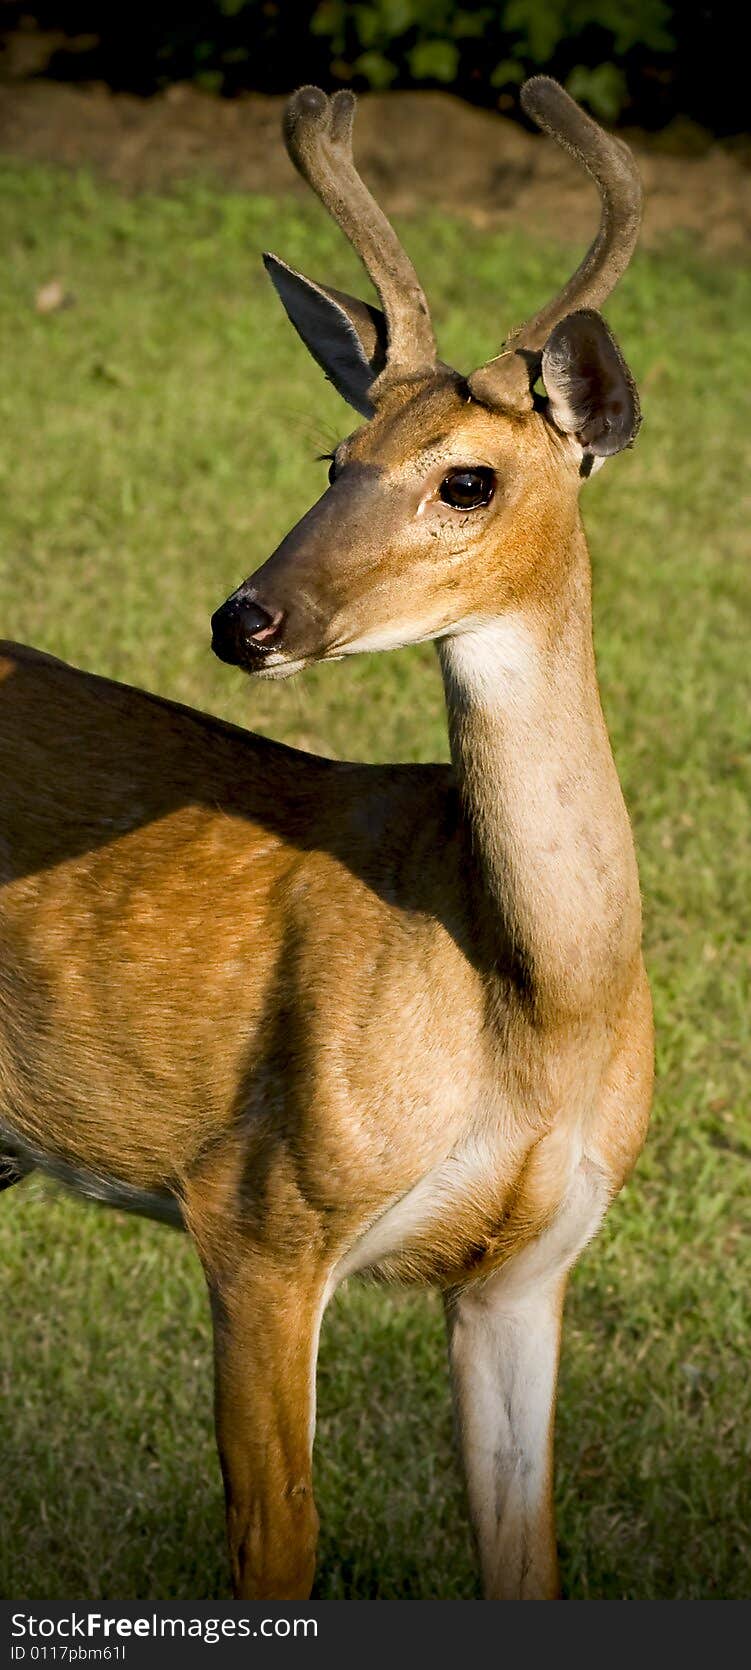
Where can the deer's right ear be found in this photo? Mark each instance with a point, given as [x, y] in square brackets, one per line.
[591, 394]
[347, 337]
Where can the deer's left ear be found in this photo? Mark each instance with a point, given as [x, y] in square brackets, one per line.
[591, 394]
[347, 337]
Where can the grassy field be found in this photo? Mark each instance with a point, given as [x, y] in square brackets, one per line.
[158, 437]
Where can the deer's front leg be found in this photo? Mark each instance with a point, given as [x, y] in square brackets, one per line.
[266, 1326]
[503, 1348]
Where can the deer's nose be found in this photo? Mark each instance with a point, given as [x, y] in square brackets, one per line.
[242, 631]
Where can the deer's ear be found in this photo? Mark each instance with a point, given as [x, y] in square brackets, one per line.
[591, 394]
[345, 336]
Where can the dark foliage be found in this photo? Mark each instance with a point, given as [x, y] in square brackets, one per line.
[637, 61]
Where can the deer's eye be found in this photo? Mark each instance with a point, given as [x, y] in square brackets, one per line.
[468, 489]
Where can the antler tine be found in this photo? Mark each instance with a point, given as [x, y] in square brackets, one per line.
[615, 173]
[612, 167]
[318, 135]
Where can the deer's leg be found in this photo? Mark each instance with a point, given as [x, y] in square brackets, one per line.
[503, 1348]
[266, 1325]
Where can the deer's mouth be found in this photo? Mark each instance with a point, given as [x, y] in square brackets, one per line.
[279, 667]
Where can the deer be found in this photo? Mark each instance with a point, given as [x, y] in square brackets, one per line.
[334, 1017]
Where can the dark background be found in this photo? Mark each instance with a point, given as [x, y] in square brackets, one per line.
[646, 63]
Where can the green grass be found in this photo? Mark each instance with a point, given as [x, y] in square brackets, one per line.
[158, 439]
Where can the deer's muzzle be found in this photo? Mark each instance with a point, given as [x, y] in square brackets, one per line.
[243, 632]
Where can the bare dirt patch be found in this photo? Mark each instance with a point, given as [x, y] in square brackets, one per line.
[414, 148]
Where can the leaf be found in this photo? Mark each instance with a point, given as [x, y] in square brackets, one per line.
[399, 15]
[471, 25]
[541, 23]
[433, 61]
[368, 26]
[375, 69]
[328, 19]
[210, 81]
[603, 89]
[509, 70]
[644, 23]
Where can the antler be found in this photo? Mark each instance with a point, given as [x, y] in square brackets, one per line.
[612, 167]
[318, 135]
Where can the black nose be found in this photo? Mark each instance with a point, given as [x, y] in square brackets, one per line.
[242, 632]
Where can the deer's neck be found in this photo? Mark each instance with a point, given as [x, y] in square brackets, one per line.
[552, 871]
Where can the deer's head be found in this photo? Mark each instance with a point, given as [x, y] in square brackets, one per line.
[445, 506]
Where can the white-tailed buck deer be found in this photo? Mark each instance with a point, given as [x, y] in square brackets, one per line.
[337, 1017]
